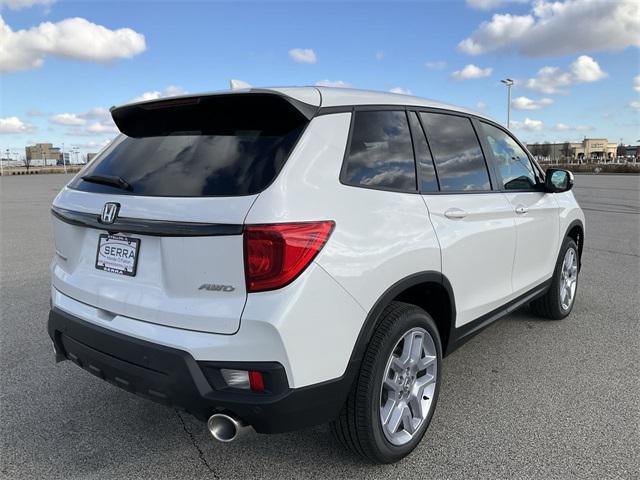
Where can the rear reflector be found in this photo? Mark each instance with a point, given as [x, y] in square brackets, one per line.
[275, 255]
[256, 381]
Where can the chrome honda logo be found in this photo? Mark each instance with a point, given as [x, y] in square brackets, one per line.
[109, 212]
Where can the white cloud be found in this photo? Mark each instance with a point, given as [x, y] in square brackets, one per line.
[491, 4]
[563, 127]
[102, 127]
[19, 4]
[635, 104]
[551, 80]
[67, 119]
[170, 91]
[15, 125]
[400, 90]
[560, 28]
[481, 105]
[524, 103]
[636, 83]
[34, 112]
[92, 145]
[96, 113]
[74, 38]
[471, 72]
[586, 69]
[436, 65]
[332, 83]
[303, 55]
[379, 55]
[528, 124]
[503, 30]
[101, 115]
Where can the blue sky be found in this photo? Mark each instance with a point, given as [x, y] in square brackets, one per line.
[63, 62]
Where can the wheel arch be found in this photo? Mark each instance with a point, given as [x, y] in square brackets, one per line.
[429, 290]
[575, 230]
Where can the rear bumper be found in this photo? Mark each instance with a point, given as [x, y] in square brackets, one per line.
[174, 378]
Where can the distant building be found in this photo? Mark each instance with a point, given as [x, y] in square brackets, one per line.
[588, 151]
[90, 156]
[43, 153]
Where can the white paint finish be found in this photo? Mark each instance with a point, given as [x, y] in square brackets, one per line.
[230, 210]
[295, 326]
[310, 95]
[379, 238]
[170, 270]
[477, 249]
[333, 97]
[255, 341]
[569, 210]
[317, 321]
[165, 288]
[537, 232]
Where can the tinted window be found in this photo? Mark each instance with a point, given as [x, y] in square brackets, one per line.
[426, 173]
[514, 165]
[459, 160]
[217, 146]
[381, 154]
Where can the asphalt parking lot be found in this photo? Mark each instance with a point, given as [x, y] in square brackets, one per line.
[524, 399]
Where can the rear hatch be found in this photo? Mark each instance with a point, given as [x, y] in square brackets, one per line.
[152, 228]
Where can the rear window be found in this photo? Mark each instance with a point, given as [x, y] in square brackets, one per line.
[209, 148]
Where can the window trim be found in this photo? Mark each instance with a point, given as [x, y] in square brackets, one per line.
[415, 155]
[345, 156]
[494, 177]
[490, 173]
[500, 179]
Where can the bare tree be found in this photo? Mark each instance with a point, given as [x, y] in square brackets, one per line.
[26, 160]
[566, 150]
[535, 149]
[621, 151]
[545, 149]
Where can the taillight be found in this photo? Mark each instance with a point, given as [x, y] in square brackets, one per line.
[274, 255]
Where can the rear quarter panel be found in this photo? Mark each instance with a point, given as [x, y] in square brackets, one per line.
[379, 237]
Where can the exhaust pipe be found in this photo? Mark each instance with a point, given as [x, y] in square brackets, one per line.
[226, 428]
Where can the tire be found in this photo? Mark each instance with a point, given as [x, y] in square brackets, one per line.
[552, 305]
[359, 427]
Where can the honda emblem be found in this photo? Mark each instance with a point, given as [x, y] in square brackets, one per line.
[109, 212]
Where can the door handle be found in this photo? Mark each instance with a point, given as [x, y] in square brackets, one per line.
[521, 209]
[455, 213]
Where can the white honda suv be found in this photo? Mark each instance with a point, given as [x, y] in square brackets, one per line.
[279, 258]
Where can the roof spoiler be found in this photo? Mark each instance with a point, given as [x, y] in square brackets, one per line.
[221, 113]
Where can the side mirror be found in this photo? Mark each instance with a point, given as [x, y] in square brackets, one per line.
[558, 180]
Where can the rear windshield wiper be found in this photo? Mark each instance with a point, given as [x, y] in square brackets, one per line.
[111, 180]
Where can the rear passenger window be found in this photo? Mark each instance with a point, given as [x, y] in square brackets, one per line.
[514, 165]
[381, 154]
[459, 160]
[426, 173]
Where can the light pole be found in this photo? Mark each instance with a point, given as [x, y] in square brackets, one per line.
[509, 83]
[64, 162]
[2, 162]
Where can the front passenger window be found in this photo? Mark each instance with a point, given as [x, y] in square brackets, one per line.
[514, 165]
